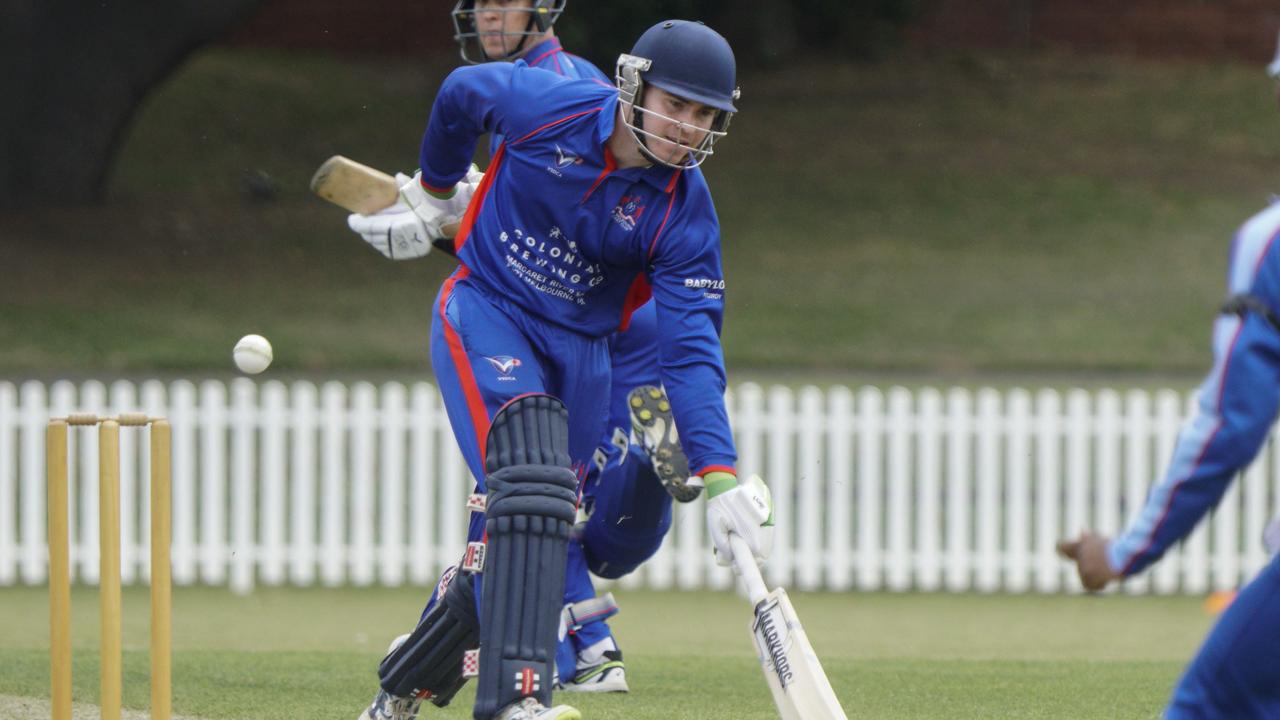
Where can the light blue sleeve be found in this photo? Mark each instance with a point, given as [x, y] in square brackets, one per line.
[1238, 401]
[1237, 404]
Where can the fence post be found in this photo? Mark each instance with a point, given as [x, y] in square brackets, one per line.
[810, 478]
[779, 429]
[1017, 528]
[900, 491]
[8, 488]
[959, 573]
[31, 517]
[1137, 469]
[424, 474]
[928, 518]
[213, 482]
[1048, 485]
[840, 488]
[272, 518]
[390, 484]
[333, 483]
[302, 483]
[244, 427]
[987, 516]
[870, 510]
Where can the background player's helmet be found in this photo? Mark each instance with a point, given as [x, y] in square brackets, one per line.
[543, 15]
[689, 60]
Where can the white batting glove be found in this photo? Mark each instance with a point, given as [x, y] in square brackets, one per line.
[396, 232]
[745, 510]
[436, 211]
[390, 232]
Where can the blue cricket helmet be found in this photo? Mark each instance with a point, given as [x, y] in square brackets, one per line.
[690, 60]
[542, 15]
[686, 59]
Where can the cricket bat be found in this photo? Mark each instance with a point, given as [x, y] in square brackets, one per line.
[359, 188]
[800, 687]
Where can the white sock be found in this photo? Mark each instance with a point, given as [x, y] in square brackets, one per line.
[594, 655]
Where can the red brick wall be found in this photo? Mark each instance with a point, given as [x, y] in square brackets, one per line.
[1215, 29]
[1222, 29]
[379, 26]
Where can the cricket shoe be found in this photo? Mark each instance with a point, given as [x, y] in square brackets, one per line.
[386, 706]
[530, 709]
[609, 676]
[655, 430]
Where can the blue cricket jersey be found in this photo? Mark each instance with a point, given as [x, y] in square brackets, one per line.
[560, 231]
[549, 55]
[1238, 402]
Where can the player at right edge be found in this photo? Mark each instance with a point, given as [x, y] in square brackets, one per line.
[592, 204]
[1236, 673]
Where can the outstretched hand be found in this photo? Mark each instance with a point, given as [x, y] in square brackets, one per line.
[1090, 555]
[745, 510]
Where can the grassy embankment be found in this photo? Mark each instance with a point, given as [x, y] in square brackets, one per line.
[936, 217]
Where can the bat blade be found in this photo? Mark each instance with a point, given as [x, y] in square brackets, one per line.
[792, 670]
[354, 186]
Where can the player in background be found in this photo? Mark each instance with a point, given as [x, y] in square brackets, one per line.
[488, 30]
[625, 513]
[1236, 673]
[556, 252]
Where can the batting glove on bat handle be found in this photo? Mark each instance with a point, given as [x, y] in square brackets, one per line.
[437, 209]
[396, 232]
[745, 510]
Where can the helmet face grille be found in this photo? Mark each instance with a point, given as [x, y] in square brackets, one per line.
[542, 16]
[630, 77]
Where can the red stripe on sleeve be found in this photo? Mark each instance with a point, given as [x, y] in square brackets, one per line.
[554, 123]
[555, 48]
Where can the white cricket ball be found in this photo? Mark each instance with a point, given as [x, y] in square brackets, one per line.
[252, 354]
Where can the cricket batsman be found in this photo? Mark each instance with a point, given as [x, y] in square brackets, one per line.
[1236, 673]
[592, 204]
[625, 510]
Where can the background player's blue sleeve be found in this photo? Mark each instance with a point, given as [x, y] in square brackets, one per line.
[1238, 402]
[688, 290]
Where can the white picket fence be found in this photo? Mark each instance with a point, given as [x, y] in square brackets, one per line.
[899, 489]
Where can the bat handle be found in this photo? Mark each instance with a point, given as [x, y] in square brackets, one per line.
[745, 563]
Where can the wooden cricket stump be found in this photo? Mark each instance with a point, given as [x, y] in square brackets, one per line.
[109, 561]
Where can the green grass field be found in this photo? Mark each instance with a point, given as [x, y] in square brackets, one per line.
[944, 216]
[284, 653]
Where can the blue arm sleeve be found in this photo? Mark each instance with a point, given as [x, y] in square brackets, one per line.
[688, 292]
[1237, 403]
[494, 97]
